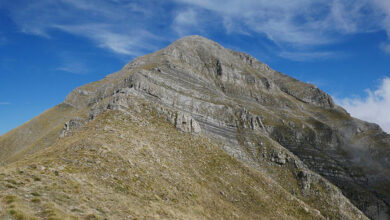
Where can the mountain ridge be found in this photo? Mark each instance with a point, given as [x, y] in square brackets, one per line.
[257, 115]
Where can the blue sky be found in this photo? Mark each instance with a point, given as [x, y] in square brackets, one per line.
[47, 48]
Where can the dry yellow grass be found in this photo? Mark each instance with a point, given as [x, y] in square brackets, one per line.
[140, 167]
[38, 133]
[136, 165]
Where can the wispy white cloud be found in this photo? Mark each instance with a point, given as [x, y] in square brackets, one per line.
[283, 21]
[384, 7]
[129, 42]
[301, 24]
[375, 107]
[119, 26]
[5, 103]
[187, 17]
[185, 20]
[128, 27]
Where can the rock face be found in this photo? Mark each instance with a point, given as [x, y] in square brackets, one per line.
[260, 116]
[184, 122]
[72, 124]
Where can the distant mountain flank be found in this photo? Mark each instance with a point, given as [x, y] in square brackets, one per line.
[196, 131]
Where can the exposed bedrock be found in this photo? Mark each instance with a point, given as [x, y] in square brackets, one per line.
[205, 89]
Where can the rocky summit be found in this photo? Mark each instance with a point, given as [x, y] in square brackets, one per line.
[195, 131]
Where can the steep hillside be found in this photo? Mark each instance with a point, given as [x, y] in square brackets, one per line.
[36, 134]
[135, 164]
[248, 140]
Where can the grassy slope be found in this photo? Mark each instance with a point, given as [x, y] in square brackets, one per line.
[140, 166]
[34, 135]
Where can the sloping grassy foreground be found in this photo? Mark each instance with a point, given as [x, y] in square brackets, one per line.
[139, 166]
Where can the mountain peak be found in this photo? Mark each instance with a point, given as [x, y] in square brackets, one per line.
[195, 40]
[291, 134]
[196, 45]
[227, 71]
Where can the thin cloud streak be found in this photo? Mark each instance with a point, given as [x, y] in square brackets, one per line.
[133, 42]
[116, 26]
[74, 67]
[311, 55]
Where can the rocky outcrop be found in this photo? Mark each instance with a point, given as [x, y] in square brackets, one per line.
[186, 123]
[304, 92]
[279, 158]
[72, 124]
[248, 120]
